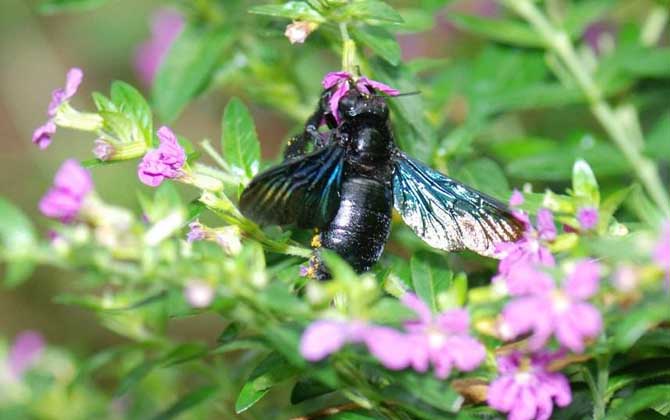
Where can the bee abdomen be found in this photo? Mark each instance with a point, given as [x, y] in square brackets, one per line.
[362, 224]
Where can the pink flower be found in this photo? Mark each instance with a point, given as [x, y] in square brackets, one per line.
[324, 337]
[441, 340]
[561, 312]
[529, 250]
[43, 134]
[162, 163]
[526, 389]
[600, 36]
[25, 351]
[297, 32]
[72, 184]
[344, 80]
[166, 25]
[198, 293]
[61, 95]
[516, 199]
[588, 218]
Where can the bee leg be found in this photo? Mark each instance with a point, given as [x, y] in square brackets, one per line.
[297, 146]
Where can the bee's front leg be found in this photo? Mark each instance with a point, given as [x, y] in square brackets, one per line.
[297, 146]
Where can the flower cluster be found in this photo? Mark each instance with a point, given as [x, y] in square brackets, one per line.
[43, 134]
[344, 81]
[72, 184]
[165, 162]
[441, 341]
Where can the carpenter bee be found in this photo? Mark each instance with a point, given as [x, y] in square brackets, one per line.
[347, 186]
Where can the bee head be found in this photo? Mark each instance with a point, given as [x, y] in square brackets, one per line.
[356, 105]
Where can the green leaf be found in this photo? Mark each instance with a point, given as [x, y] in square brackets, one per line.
[501, 30]
[188, 67]
[381, 42]
[18, 241]
[372, 11]
[639, 321]
[130, 101]
[306, 389]
[645, 62]
[188, 401]
[272, 370]
[230, 333]
[638, 401]
[339, 268]
[584, 184]
[133, 377]
[56, 6]
[239, 141]
[657, 145]
[183, 353]
[428, 280]
[582, 13]
[296, 10]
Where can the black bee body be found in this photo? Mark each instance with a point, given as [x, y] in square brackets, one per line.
[362, 224]
[349, 184]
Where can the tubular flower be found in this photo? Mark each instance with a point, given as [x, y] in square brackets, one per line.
[324, 337]
[562, 312]
[165, 162]
[344, 82]
[43, 134]
[441, 340]
[526, 389]
[72, 184]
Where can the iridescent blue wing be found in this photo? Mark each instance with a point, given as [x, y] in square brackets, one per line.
[447, 214]
[304, 191]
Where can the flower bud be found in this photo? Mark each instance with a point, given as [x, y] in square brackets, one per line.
[297, 32]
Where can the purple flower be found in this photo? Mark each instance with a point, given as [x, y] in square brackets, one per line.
[196, 232]
[72, 184]
[102, 149]
[344, 80]
[561, 312]
[599, 35]
[162, 163]
[324, 337]
[61, 95]
[25, 351]
[588, 218]
[529, 250]
[516, 199]
[441, 340]
[43, 134]
[526, 389]
[166, 25]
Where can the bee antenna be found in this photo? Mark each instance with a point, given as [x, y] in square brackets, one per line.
[418, 92]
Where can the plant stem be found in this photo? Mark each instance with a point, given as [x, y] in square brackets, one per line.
[602, 379]
[348, 50]
[557, 41]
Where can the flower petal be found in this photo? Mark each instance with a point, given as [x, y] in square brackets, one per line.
[516, 199]
[414, 303]
[545, 225]
[335, 77]
[43, 134]
[362, 82]
[454, 321]
[389, 346]
[322, 338]
[74, 178]
[582, 282]
[25, 351]
[466, 352]
[335, 98]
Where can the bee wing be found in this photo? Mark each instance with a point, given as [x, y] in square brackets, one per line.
[447, 214]
[303, 191]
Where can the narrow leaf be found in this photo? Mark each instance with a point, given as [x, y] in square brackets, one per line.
[506, 31]
[428, 281]
[380, 41]
[239, 140]
[188, 67]
[188, 401]
[638, 401]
